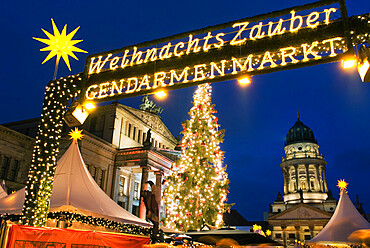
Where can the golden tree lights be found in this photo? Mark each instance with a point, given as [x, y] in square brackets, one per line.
[198, 186]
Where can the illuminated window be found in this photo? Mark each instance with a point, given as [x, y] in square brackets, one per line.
[135, 210]
[122, 181]
[136, 190]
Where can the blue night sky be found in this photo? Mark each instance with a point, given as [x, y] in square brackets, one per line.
[334, 103]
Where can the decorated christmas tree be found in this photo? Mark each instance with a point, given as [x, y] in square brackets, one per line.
[197, 188]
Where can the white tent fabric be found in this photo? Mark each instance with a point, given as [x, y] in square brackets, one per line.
[345, 220]
[76, 191]
[3, 190]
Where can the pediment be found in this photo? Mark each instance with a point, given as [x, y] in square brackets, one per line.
[152, 120]
[301, 211]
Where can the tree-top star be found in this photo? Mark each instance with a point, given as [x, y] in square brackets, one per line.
[76, 134]
[342, 184]
[60, 44]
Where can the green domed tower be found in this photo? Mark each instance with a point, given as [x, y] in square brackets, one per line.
[304, 168]
[304, 171]
[307, 204]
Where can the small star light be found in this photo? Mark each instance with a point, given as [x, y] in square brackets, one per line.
[268, 232]
[342, 184]
[76, 134]
[256, 227]
[60, 44]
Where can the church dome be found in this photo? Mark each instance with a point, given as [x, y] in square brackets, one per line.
[300, 133]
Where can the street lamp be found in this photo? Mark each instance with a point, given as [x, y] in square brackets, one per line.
[77, 113]
[160, 94]
[349, 62]
[244, 81]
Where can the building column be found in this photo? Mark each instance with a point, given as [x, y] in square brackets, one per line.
[285, 181]
[115, 183]
[308, 177]
[324, 175]
[131, 185]
[284, 236]
[158, 194]
[296, 177]
[144, 186]
[311, 231]
[297, 232]
[319, 178]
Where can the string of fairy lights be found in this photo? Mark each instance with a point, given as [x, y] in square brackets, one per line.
[39, 184]
[69, 217]
[197, 187]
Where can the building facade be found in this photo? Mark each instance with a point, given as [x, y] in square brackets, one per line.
[123, 148]
[306, 204]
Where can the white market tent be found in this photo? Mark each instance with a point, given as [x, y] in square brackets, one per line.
[2, 190]
[345, 220]
[75, 191]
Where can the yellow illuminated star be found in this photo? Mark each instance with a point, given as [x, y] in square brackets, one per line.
[342, 184]
[60, 44]
[268, 232]
[256, 227]
[76, 134]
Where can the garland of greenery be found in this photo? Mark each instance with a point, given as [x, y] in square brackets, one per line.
[101, 222]
[39, 184]
[360, 28]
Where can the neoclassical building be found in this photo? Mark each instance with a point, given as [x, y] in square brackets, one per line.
[123, 148]
[306, 204]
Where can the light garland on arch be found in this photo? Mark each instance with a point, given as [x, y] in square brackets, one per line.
[39, 184]
[198, 185]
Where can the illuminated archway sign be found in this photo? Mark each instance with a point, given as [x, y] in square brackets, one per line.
[287, 39]
[291, 38]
